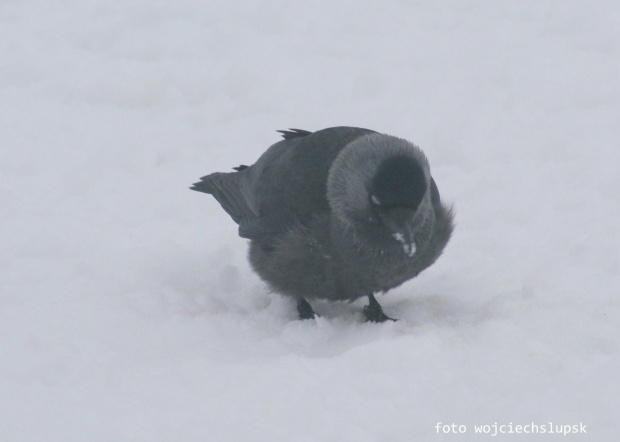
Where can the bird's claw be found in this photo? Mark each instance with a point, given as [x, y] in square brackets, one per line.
[305, 309]
[374, 312]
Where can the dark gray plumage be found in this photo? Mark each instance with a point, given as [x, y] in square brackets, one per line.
[336, 214]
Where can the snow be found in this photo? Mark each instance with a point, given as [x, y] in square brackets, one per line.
[408, 248]
[128, 310]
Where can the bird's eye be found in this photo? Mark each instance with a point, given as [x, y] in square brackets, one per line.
[375, 200]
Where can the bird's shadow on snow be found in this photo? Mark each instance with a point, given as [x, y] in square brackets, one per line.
[240, 318]
[258, 324]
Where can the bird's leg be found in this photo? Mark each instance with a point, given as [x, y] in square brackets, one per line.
[374, 312]
[305, 309]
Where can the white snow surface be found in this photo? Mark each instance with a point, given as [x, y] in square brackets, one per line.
[128, 310]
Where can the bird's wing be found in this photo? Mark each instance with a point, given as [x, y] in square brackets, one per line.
[289, 181]
[294, 133]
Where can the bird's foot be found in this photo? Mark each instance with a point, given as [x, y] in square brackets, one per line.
[374, 312]
[305, 309]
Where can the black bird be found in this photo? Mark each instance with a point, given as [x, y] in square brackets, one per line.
[336, 214]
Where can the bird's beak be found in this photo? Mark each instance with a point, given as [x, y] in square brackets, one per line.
[400, 222]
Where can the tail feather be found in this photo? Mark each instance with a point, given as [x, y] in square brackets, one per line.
[226, 190]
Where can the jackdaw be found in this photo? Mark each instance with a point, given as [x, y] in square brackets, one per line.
[336, 214]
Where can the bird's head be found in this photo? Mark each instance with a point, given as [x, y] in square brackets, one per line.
[379, 186]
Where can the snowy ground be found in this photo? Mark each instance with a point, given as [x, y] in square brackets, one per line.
[127, 308]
